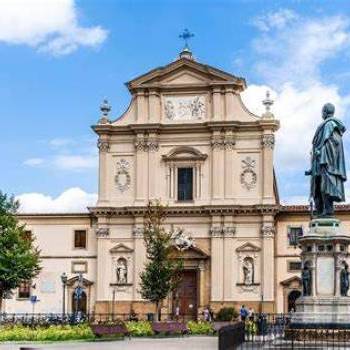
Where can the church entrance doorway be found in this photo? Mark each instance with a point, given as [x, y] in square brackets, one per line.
[186, 295]
[292, 297]
[79, 305]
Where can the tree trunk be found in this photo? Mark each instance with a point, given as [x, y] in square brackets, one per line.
[158, 309]
[1, 298]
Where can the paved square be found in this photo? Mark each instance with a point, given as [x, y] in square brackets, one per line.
[192, 343]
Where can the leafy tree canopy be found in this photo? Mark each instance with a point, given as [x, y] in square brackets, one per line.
[162, 271]
[19, 259]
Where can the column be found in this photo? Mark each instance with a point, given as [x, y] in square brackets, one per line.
[267, 263]
[217, 260]
[338, 267]
[268, 142]
[103, 146]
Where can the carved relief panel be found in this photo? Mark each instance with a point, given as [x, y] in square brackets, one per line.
[184, 108]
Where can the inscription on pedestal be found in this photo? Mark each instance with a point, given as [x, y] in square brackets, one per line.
[325, 275]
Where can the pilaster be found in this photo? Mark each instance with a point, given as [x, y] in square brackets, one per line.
[217, 260]
[217, 104]
[268, 142]
[229, 111]
[140, 255]
[218, 166]
[267, 265]
[103, 146]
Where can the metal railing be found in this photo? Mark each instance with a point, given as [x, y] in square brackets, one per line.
[275, 331]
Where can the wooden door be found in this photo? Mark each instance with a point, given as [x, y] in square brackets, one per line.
[186, 295]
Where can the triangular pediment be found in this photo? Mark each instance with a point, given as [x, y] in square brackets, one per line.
[184, 72]
[191, 253]
[248, 247]
[121, 248]
[184, 77]
[295, 280]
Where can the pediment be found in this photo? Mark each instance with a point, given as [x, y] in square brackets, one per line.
[74, 280]
[184, 72]
[194, 253]
[248, 247]
[184, 153]
[295, 280]
[121, 248]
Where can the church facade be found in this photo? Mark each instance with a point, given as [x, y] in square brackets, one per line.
[186, 139]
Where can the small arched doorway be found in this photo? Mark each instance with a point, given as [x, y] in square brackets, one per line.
[292, 297]
[79, 305]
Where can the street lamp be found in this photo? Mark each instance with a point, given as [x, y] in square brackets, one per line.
[64, 279]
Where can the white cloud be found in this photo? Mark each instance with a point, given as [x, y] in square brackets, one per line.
[50, 26]
[75, 162]
[60, 142]
[33, 162]
[299, 111]
[275, 20]
[291, 62]
[72, 200]
[296, 52]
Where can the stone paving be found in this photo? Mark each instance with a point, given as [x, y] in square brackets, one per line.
[185, 343]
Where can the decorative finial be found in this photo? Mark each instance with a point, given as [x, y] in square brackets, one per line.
[105, 108]
[186, 52]
[267, 102]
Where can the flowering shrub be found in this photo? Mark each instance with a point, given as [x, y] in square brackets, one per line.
[139, 328]
[200, 327]
[52, 333]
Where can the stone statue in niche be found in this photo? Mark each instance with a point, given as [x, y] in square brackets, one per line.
[344, 280]
[306, 278]
[248, 271]
[122, 271]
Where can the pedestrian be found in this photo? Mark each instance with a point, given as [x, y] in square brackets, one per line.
[251, 313]
[206, 314]
[243, 313]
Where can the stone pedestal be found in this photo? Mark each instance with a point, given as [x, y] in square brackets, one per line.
[324, 252]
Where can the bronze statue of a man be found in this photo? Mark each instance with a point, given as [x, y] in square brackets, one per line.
[327, 171]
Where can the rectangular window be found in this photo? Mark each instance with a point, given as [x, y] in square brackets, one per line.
[294, 233]
[80, 239]
[24, 290]
[294, 265]
[185, 184]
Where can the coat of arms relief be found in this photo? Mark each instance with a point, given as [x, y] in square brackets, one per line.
[184, 107]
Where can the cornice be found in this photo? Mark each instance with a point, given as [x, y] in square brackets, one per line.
[189, 210]
[133, 129]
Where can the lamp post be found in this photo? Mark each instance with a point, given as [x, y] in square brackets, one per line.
[64, 279]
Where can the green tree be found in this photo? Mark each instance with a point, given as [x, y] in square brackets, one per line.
[19, 259]
[162, 271]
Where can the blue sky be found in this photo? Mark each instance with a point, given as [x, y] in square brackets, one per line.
[60, 58]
